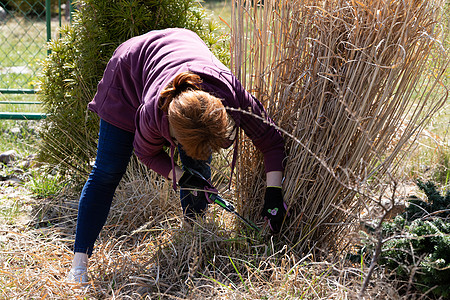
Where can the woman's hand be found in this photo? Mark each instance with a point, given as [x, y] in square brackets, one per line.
[194, 181]
[196, 189]
[274, 209]
[178, 174]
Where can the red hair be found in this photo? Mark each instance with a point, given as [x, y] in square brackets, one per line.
[198, 119]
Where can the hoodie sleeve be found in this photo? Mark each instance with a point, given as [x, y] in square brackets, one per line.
[262, 131]
[149, 142]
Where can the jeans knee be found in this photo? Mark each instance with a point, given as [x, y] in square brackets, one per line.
[105, 178]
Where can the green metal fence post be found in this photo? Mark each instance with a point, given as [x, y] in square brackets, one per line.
[48, 16]
[59, 13]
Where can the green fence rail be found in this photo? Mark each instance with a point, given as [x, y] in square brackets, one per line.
[25, 27]
[22, 116]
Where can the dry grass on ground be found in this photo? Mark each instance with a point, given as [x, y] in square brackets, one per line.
[147, 252]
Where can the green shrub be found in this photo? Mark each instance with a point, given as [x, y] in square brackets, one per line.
[79, 56]
[437, 204]
[418, 242]
[423, 252]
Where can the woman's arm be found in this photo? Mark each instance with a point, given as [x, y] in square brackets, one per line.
[178, 174]
[274, 178]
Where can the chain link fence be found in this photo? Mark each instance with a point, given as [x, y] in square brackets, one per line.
[25, 27]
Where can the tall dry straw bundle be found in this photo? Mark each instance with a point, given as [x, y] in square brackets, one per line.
[349, 84]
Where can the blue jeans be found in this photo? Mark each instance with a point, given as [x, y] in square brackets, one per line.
[114, 150]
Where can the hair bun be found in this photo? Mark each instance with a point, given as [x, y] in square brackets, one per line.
[185, 81]
[182, 82]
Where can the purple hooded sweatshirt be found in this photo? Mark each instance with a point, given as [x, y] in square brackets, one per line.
[139, 70]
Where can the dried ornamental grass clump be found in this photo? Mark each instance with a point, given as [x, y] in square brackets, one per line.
[349, 83]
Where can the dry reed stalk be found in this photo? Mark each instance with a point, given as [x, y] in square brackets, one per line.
[340, 78]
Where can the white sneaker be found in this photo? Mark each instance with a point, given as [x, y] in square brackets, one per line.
[78, 275]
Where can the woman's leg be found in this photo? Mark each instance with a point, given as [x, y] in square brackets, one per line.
[114, 150]
[192, 205]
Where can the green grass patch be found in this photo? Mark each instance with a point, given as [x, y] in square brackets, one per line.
[21, 50]
[221, 11]
[44, 184]
[21, 136]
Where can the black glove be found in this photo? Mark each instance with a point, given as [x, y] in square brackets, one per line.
[274, 208]
[194, 196]
[195, 182]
